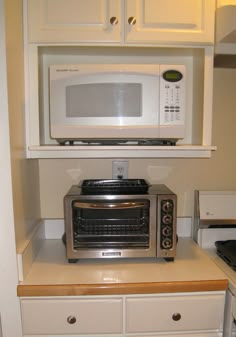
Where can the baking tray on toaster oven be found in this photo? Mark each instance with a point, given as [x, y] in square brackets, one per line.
[114, 186]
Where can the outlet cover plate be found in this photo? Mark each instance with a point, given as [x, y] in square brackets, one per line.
[120, 169]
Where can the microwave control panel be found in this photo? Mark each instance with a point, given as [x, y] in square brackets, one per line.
[172, 94]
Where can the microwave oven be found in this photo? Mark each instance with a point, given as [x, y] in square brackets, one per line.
[119, 219]
[117, 102]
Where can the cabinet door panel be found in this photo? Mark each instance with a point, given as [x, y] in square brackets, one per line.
[73, 20]
[170, 21]
[67, 316]
[175, 313]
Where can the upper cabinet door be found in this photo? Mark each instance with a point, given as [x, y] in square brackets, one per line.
[170, 21]
[75, 21]
[121, 21]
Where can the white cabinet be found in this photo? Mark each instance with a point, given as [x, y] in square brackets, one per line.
[168, 21]
[118, 21]
[184, 314]
[118, 31]
[74, 20]
[199, 86]
[175, 313]
[10, 320]
[72, 316]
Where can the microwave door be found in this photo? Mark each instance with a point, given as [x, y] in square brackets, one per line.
[115, 102]
[111, 106]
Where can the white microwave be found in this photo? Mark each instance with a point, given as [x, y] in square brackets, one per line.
[117, 102]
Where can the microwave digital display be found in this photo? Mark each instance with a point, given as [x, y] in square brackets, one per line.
[172, 75]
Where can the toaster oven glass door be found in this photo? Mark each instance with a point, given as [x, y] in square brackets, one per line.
[120, 224]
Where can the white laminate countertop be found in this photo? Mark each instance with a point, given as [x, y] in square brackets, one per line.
[52, 275]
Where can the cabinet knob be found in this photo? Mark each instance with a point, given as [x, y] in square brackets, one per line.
[113, 20]
[176, 316]
[71, 319]
[132, 20]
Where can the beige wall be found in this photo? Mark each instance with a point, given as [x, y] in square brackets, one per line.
[25, 173]
[181, 175]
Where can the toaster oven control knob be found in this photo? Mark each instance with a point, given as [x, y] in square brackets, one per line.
[166, 231]
[167, 206]
[166, 243]
[167, 219]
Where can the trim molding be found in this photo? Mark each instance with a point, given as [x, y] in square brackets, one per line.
[27, 253]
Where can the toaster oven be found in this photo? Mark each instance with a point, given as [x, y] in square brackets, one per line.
[120, 219]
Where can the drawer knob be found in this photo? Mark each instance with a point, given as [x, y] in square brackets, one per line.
[113, 20]
[176, 316]
[71, 319]
[132, 20]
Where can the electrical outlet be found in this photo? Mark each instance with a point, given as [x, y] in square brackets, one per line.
[120, 169]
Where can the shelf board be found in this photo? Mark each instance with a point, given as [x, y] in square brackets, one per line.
[121, 151]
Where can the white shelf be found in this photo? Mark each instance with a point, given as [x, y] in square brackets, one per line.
[199, 63]
[91, 151]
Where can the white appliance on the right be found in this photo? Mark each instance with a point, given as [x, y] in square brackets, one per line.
[214, 229]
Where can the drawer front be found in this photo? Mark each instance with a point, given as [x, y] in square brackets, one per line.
[175, 313]
[62, 316]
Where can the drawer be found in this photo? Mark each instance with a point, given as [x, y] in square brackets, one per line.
[175, 313]
[72, 316]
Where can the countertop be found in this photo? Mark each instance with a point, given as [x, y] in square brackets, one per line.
[51, 274]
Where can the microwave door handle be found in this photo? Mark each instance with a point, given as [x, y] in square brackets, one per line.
[121, 205]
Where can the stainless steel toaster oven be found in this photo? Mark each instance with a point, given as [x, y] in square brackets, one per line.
[120, 219]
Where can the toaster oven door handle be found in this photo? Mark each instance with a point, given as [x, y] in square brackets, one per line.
[120, 205]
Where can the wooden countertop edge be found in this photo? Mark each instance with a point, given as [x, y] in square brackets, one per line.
[120, 288]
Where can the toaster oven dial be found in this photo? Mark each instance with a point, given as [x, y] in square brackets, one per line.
[167, 231]
[166, 243]
[167, 206]
[167, 219]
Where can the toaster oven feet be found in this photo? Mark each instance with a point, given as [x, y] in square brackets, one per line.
[73, 260]
[167, 259]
